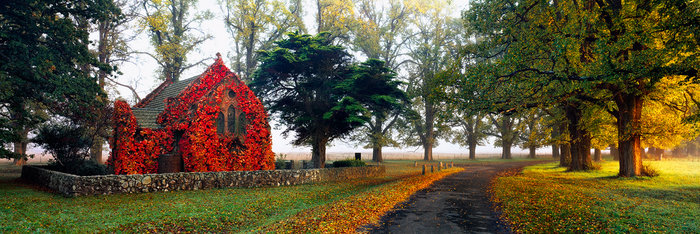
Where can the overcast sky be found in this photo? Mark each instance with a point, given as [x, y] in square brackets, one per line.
[140, 72]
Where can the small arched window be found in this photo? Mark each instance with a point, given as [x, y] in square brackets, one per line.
[231, 112]
[231, 94]
[220, 123]
[241, 122]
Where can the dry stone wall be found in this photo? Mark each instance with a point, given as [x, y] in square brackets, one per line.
[72, 185]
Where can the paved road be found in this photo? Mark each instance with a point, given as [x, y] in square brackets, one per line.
[456, 204]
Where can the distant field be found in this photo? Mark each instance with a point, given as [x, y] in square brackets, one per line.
[546, 199]
[41, 158]
[400, 156]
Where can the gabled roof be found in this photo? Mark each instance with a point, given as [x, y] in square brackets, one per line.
[147, 111]
[146, 118]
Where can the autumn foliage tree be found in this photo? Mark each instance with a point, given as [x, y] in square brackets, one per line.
[570, 49]
[255, 25]
[172, 26]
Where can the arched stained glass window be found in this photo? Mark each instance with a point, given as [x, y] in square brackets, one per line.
[231, 119]
[241, 122]
[220, 123]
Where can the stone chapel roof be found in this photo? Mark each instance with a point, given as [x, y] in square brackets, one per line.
[147, 111]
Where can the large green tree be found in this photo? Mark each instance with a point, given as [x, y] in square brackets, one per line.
[380, 33]
[618, 51]
[43, 56]
[375, 86]
[534, 134]
[299, 81]
[430, 50]
[506, 130]
[469, 130]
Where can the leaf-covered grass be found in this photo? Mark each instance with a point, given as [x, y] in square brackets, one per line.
[546, 199]
[347, 215]
[26, 208]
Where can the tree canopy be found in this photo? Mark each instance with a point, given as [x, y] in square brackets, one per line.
[44, 64]
[375, 87]
[298, 80]
[608, 53]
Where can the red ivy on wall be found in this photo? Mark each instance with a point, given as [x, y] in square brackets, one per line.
[134, 150]
[191, 117]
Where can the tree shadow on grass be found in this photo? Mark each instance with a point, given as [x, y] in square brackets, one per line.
[682, 194]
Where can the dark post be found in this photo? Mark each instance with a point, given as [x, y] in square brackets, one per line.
[423, 169]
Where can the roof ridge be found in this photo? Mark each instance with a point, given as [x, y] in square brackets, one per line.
[153, 94]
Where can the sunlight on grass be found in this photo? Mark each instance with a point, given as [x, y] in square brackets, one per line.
[545, 198]
[26, 209]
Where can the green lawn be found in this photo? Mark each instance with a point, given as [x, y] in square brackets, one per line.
[25, 208]
[545, 198]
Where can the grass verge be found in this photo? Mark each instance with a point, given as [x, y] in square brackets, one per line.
[26, 208]
[545, 199]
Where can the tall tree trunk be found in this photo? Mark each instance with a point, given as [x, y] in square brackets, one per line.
[21, 149]
[319, 16]
[429, 139]
[555, 150]
[376, 142]
[580, 140]
[249, 61]
[533, 152]
[472, 149]
[615, 153]
[96, 150]
[629, 137]
[103, 55]
[428, 152]
[506, 150]
[19, 127]
[597, 155]
[318, 151]
[565, 157]
[555, 147]
[377, 153]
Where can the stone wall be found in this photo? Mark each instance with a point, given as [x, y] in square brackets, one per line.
[72, 185]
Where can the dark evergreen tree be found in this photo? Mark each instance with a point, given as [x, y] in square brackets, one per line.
[375, 86]
[299, 80]
[43, 59]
